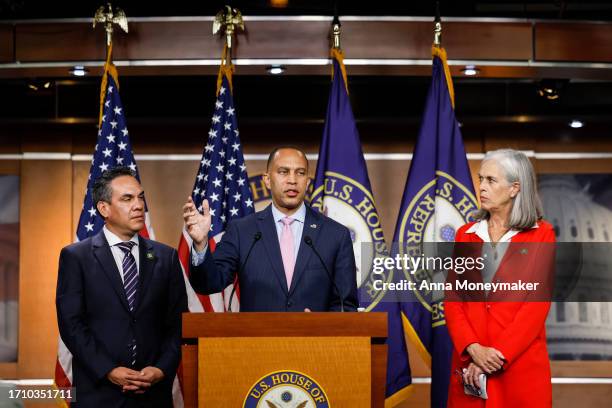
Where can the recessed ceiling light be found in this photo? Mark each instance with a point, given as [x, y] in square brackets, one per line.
[576, 124]
[470, 70]
[552, 89]
[279, 3]
[78, 70]
[276, 69]
[549, 93]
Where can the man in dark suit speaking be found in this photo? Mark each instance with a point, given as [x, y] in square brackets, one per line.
[288, 257]
[119, 303]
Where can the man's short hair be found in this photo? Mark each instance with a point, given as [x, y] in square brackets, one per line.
[276, 149]
[101, 190]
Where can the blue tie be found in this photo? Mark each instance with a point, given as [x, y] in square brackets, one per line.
[130, 284]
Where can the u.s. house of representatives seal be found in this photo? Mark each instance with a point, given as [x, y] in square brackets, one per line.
[286, 389]
[452, 204]
[352, 205]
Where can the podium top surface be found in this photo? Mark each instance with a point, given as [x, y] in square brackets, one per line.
[285, 324]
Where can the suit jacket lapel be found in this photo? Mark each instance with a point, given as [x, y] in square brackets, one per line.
[103, 254]
[312, 226]
[145, 272]
[265, 221]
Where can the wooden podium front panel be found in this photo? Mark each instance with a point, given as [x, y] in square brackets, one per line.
[228, 368]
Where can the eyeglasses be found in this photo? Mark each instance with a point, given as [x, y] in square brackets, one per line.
[469, 387]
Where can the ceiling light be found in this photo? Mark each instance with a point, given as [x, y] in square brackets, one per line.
[470, 70]
[576, 124]
[276, 69]
[549, 93]
[552, 89]
[279, 3]
[78, 70]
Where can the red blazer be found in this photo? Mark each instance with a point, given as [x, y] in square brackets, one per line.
[515, 328]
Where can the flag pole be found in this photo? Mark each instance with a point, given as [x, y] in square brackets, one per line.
[437, 27]
[336, 49]
[336, 28]
[108, 18]
[227, 22]
[438, 51]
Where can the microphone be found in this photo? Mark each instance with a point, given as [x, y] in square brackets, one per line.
[256, 237]
[308, 242]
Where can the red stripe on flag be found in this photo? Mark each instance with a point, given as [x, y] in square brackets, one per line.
[61, 380]
[144, 233]
[184, 254]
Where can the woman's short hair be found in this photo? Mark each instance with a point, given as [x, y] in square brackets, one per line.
[526, 205]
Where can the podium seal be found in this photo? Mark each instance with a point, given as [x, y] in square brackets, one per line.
[286, 389]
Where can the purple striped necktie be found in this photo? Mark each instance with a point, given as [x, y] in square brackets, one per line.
[130, 284]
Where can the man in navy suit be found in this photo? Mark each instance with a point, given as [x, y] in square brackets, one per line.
[283, 271]
[119, 303]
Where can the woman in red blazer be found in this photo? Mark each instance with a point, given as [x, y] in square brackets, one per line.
[506, 340]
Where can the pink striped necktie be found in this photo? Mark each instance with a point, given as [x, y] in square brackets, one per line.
[287, 249]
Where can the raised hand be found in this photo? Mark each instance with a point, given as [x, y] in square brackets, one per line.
[197, 224]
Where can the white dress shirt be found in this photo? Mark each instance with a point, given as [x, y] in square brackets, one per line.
[117, 252]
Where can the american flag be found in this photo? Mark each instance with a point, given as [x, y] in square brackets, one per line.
[113, 149]
[222, 179]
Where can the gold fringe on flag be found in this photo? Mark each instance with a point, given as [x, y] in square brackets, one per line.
[440, 52]
[110, 69]
[226, 69]
[338, 55]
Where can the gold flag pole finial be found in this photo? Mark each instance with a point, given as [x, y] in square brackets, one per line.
[336, 50]
[438, 34]
[228, 20]
[438, 51]
[437, 27]
[336, 33]
[108, 18]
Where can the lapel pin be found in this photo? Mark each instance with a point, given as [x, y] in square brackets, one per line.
[150, 255]
[313, 225]
[523, 251]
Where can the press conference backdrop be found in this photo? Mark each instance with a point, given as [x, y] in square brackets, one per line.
[578, 205]
[51, 199]
[580, 208]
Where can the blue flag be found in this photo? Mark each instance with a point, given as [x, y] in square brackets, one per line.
[438, 198]
[341, 190]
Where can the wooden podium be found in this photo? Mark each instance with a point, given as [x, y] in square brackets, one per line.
[230, 357]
